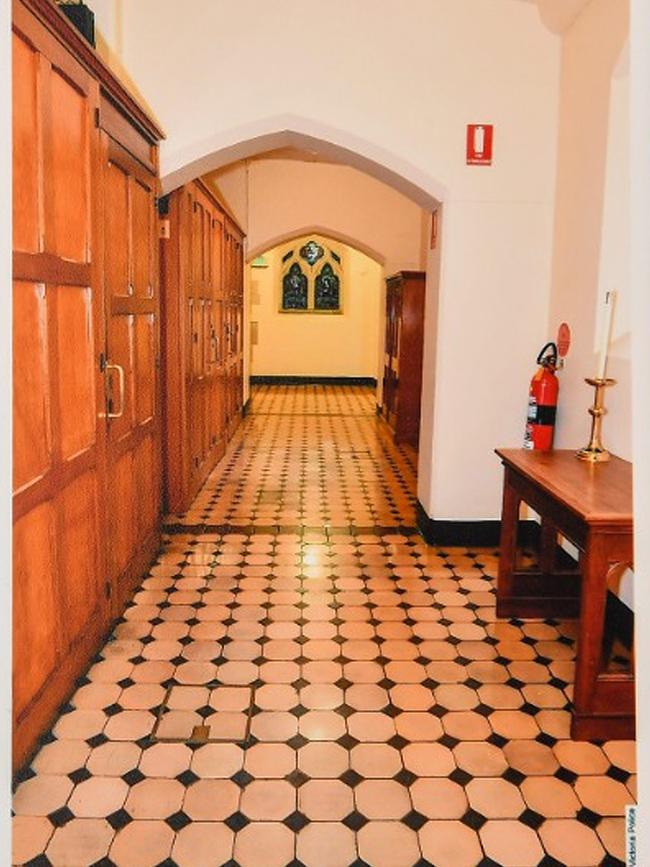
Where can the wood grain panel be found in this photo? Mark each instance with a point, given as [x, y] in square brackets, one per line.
[75, 364]
[68, 217]
[26, 148]
[122, 495]
[78, 541]
[116, 231]
[36, 637]
[146, 476]
[32, 445]
[142, 238]
[145, 342]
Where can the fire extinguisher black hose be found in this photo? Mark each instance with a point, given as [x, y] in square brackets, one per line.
[549, 359]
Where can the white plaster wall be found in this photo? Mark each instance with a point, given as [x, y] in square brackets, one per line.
[317, 344]
[395, 83]
[591, 245]
[287, 195]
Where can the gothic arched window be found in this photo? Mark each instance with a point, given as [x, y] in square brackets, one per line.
[327, 289]
[294, 289]
[311, 279]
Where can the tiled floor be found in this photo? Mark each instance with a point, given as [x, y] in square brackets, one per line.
[301, 680]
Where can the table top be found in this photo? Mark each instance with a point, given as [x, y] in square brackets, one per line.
[597, 492]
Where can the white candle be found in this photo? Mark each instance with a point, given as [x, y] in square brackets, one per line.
[610, 301]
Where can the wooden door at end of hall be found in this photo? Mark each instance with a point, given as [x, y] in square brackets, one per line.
[132, 366]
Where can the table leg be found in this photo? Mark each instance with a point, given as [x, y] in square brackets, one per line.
[548, 547]
[508, 542]
[592, 621]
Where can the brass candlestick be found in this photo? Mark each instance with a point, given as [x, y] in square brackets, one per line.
[595, 451]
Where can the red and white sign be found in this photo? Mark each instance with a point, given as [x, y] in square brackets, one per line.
[563, 340]
[479, 144]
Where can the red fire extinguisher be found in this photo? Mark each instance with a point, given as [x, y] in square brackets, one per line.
[542, 401]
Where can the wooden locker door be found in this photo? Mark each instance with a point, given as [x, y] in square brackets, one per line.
[60, 605]
[131, 375]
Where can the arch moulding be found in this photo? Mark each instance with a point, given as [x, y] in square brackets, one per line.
[326, 232]
[222, 149]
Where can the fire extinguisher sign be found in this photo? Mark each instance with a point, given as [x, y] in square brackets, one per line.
[479, 144]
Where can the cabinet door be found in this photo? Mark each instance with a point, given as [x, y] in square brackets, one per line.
[60, 605]
[131, 373]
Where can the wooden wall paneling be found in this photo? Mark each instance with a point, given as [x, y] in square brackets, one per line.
[60, 608]
[132, 414]
[198, 276]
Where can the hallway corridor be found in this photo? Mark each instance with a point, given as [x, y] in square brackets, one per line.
[301, 680]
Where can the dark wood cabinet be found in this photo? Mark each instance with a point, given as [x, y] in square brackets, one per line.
[84, 298]
[402, 381]
[202, 284]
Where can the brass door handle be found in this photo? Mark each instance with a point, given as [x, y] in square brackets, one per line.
[120, 375]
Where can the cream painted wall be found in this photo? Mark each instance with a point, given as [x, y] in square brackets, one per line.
[284, 196]
[591, 244]
[396, 89]
[317, 344]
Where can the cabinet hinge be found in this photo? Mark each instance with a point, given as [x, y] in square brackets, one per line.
[102, 362]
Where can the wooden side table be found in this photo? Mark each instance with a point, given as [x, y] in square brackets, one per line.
[591, 506]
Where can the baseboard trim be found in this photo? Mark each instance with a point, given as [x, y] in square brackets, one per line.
[313, 380]
[483, 534]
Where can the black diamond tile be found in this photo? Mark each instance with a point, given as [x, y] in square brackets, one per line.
[39, 861]
[566, 775]
[297, 778]
[438, 710]
[532, 819]
[97, 740]
[618, 774]
[414, 820]
[345, 710]
[458, 775]
[347, 741]
[351, 778]
[187, 777]
[588, 817]
[205, 711]
[79, 775]
[297, 741]
[296, 821]
[398, 742]
[546, 739]
[242, 778]
[299, 710]
[497, 740]
[119, 819]
[355, 821]
[448, 741]
[237, 821]
[178, 821]
[473, 820]
[133, 777]
[405, 777]
[610, 861]
[61, 817]
[513, 776]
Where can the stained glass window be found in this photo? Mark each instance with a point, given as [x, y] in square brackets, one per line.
[287, 256]
[312, 252]
[327, 289]
[294, 289]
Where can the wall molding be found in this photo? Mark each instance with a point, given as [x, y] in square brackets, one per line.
[481, 534]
